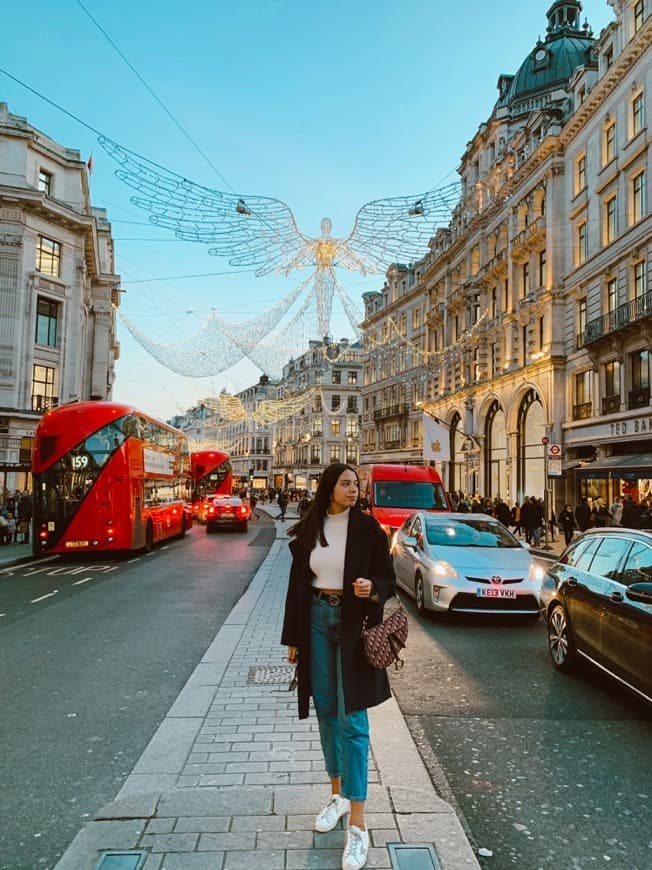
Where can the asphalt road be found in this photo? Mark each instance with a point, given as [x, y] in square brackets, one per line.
[93, 654]
[548, 771]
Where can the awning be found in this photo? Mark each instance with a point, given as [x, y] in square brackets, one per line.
[630, 466]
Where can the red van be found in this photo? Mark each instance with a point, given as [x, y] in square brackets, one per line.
[392, 492]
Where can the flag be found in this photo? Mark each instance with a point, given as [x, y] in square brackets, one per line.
[436, 439]
[89, 165]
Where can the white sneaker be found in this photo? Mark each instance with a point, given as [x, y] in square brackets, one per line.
[355, 851]
[332, 813]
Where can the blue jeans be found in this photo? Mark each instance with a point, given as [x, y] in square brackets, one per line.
[344, 738]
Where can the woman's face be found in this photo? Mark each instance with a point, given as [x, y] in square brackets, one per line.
[345, 493]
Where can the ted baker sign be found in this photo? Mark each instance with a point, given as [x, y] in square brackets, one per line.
[632, 427]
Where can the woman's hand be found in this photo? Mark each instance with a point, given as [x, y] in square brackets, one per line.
[363, 588]
[293, 654]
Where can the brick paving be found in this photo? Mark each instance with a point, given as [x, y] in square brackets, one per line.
[232, 780]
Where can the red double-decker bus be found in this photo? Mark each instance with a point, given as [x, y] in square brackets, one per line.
[211, 475]
[107, 477]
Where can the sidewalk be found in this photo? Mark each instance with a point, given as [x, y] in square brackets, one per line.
[232, 780]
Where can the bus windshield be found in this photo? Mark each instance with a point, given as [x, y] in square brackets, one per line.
[418, 495]
[69, 479]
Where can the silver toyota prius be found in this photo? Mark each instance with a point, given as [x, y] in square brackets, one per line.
[465, 563]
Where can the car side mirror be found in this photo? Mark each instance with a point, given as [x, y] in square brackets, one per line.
[640, 592]
[525, 545]
[363, 504]
[409, 542]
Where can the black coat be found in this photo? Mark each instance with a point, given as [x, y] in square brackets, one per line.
[367, 555]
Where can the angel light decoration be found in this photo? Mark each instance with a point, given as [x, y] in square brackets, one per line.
[261, 233]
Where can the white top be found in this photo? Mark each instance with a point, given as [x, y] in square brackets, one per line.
[327, 563]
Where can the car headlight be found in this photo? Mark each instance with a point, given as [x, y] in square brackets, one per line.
[444, 569]
[536, 572]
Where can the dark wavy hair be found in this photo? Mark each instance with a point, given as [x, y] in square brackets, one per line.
[311, 526]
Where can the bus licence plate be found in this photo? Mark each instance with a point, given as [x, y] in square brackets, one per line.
[493, 592]
[76, 543]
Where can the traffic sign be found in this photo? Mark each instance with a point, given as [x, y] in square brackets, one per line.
[554, 468]
[554, 451]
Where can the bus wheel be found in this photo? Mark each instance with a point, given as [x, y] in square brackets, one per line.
[149, 538]
[184, 527]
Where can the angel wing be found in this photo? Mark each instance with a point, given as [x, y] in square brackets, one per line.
[252, 230]
[399, 228]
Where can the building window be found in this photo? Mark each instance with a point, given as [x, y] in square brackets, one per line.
[494, 308]
[335, 453]
[336, 427]
[612, 295]
[352, 429]
[416, 317]
[525, 279]
[336, 376]
[608, 56]
[352, 405]
[402, 325]
[45, 182]
[543, 270]
[609, 144]
[335, 403]
[612, 379]
[48, 257]
[581, 242]
[583, 388]
[581, 316]
[638, 197]
[639, 15]
[610, 220]
[640, 370]
[43, 388]
[637, 119]
[315, 454]
[524, 346]
[46, 322]
[353, 377]
[580, 173]
[541, 332]
[639, 279]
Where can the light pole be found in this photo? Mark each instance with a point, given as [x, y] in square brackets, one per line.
[546, 501]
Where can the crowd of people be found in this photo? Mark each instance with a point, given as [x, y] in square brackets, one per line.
[527, 519]
[16, 518]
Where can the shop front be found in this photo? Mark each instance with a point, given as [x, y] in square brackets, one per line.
[610, 459]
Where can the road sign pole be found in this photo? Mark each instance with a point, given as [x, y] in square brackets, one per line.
[546, 495]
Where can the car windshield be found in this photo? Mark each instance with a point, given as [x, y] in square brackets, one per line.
[469, 533]
[418, 495]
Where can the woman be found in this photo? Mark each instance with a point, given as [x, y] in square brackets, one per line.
[341, 572]
[567, 522]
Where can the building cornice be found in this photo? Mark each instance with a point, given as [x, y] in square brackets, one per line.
[606, 85]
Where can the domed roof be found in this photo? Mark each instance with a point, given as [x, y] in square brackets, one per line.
[552, 62]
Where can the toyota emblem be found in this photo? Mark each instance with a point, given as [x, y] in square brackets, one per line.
[496, 580]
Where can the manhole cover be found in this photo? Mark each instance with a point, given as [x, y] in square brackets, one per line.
[133, 859]
[270, 675]
[413, 856]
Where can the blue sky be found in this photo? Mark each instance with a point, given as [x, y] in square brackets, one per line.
[323, 105]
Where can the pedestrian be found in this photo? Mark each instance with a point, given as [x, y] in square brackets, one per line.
[253, 501]
[283, 505]
[25, 515]
[341, 573]
[616, 511]
[304, 505]
[516, 519]
[567, 523]
[582, 515]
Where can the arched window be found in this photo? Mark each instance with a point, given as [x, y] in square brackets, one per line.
[495, 453]
[457, 456]
[531, 429]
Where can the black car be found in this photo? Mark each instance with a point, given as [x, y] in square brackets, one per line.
[597, 605]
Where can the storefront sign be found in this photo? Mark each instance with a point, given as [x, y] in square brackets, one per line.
[635, 426]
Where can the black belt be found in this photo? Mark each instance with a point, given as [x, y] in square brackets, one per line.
[328, 597]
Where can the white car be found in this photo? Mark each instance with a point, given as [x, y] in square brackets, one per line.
[465, 563]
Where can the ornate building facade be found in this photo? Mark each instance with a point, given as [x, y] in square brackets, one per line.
[326, 427]
[535, 313]
[58, 289]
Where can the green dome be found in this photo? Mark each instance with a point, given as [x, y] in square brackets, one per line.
[552, 63]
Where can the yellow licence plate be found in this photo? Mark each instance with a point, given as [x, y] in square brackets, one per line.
[76, 543]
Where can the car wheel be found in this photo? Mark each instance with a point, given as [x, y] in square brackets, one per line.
[208, 529]
[243, 528]
[419, 595]
[560, 640]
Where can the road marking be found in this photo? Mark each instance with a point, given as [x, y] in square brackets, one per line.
[3, 614]
[43, 597]
[79, 582]
[131, 561]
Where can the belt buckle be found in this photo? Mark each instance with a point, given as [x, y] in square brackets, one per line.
[334, 600]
